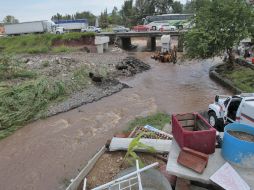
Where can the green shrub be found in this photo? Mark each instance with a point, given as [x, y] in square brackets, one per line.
[11, 68]
[158, 120]
[21, 103]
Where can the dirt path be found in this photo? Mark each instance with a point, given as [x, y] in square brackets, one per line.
[45, 154]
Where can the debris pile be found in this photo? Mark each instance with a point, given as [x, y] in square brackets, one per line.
[131, 66]
[168, 56]
[189, 165]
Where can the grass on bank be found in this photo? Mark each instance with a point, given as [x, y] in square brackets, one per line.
[242, 77]
[30, 98]
[38, 43]
[157, 120]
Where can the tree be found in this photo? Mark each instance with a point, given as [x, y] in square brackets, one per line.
[128, 13]
[115, 17]
[10, 19]
[162, 6]
[104, 19]
[177, 7]
[219, 26]
[194, 5]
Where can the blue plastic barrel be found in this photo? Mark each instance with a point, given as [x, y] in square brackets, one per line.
[238, 151]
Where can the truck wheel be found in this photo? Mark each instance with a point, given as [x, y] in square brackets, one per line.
[57, 32]
[213, 120]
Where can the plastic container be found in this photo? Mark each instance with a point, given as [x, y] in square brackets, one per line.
[238, 151]
[191, 130]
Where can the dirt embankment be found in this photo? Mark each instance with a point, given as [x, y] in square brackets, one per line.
[74, 42]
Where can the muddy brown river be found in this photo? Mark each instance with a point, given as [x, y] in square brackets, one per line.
[45, 154]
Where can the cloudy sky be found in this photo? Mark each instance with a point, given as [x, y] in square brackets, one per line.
[29, 10]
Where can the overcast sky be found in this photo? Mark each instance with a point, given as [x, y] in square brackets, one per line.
[30, 10]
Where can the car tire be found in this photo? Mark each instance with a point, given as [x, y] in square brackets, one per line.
[154, 28]
[57, 32]
[212, 119]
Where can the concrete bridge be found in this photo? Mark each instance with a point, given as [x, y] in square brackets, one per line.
[125, 37]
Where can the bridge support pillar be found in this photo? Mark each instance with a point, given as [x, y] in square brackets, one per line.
[125, 42]
[151, 43]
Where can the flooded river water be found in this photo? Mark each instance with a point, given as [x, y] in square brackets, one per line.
[47, 153]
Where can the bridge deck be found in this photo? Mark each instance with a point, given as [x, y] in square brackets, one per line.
[140, 34]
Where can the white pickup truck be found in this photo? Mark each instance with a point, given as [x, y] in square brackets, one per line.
[228, 109]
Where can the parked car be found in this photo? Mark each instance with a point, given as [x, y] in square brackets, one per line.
[120, 29]
[141, 28]
[91, 29]
[229, 109]
[166, 27]
[154, 25]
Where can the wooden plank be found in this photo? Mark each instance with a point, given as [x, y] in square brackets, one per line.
[186, 123]
[75, 182]
[188, 116]
[160, 146]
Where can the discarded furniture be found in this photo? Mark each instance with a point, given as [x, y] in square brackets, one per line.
[153, 133]
[191, 130]
[192, 159]
[101, 43]
[235, 150]
[214, 163]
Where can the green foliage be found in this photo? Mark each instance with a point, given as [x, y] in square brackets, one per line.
[158, 120]
[37, 43]
[177, 7]
[29, 99]
[45, 63]
[135, 144]
[21, 103]
[195, 5]
[219, 25]
[104, 22]
[241, 77]
[9, 19]
[11, 68]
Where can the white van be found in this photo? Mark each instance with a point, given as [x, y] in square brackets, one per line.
[228, 109]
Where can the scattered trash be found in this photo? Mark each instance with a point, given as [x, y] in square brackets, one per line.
[160, 146]
[168, 56]
[128, 181]
[155, 133]
[192, 159]
[227, 178]
[131, 66]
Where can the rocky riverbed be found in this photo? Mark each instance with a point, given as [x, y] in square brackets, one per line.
[108, 67]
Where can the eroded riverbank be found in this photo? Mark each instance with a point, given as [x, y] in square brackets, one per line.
[47, 153]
